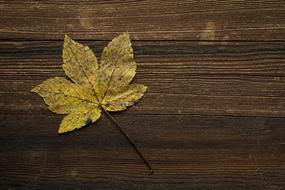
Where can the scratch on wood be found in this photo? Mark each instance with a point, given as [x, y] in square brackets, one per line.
[85, 20]
[208, 33]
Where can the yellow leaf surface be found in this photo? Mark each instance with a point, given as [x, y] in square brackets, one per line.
[80, 64]
[92, 86]
[117, 67]
[119, 100]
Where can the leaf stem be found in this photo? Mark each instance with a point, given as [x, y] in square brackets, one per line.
[128, 139]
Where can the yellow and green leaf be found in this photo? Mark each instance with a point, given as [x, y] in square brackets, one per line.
[92, 86]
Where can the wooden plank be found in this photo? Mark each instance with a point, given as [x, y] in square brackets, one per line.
[145, 20]
[170, 59]
[236, 78]
[187, 152]
[213, 116]
[166, 103]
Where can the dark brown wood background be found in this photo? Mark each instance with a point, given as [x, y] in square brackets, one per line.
[213, 117]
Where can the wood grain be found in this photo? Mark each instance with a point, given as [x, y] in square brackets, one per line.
[237, 78]
[186, 151]
[145, 20]
[212, 118]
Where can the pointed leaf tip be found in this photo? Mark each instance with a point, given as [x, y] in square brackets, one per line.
[66, 37]
[35, 89]
[62, 130]
[126, 34]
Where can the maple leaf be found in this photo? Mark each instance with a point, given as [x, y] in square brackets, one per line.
[95, 86]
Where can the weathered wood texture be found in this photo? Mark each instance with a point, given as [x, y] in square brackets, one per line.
[145, 20]
[213, 117]
[183, 77]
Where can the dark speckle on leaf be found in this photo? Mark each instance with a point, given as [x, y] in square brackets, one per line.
[88, 121]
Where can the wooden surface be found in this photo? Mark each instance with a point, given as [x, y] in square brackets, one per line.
[213, 117]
